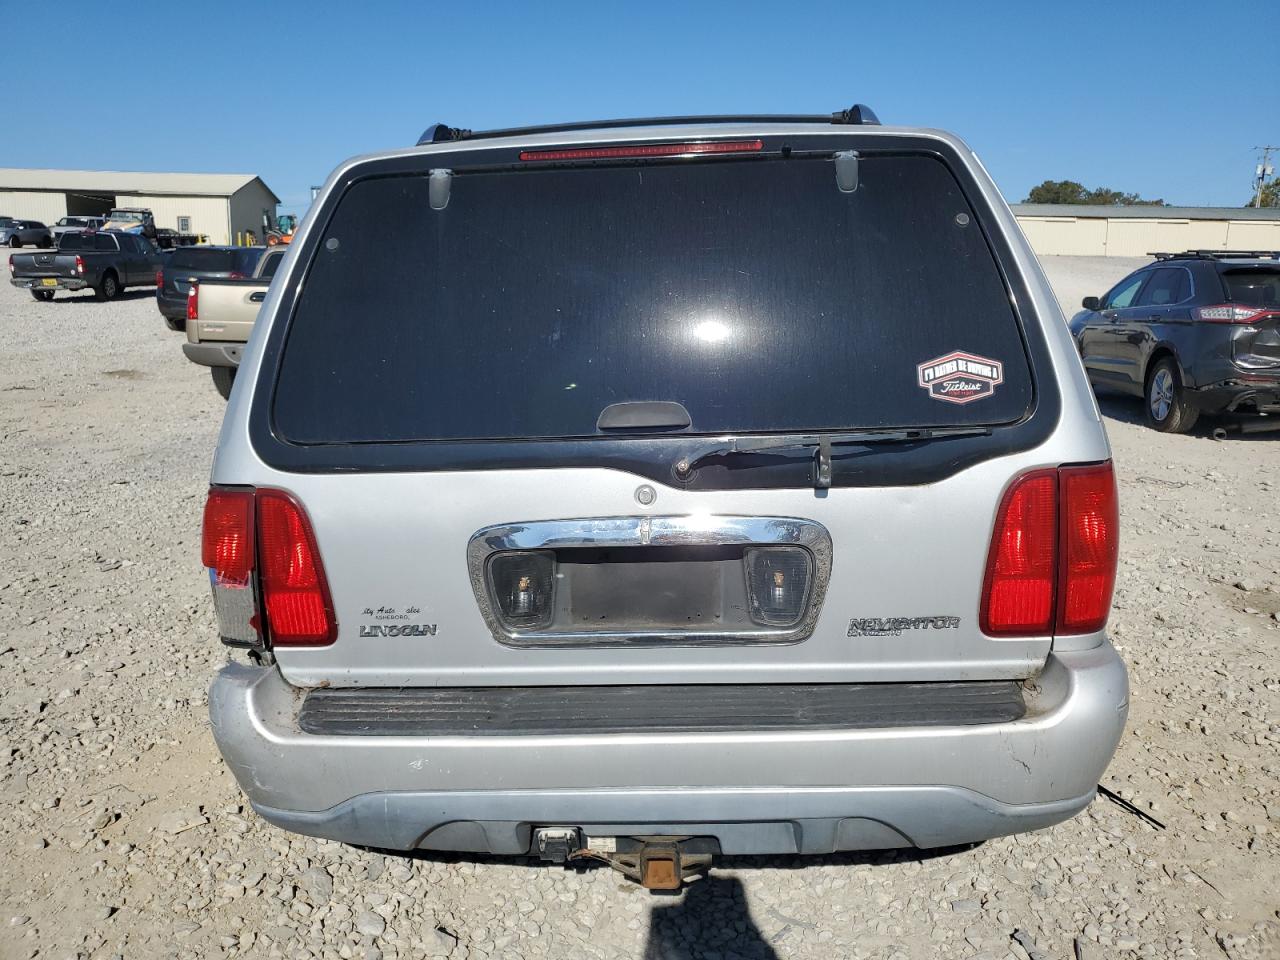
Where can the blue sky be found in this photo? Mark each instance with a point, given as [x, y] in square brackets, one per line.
[287, 90]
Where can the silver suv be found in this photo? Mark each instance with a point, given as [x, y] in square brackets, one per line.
[651, 490]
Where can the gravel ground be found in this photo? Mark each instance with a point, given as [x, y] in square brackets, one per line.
[122, 834]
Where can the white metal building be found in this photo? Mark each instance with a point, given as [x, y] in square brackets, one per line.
[1080, 230]
[223, 206]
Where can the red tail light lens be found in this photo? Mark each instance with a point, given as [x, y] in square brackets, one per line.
[159, 279]
[1017, 597]
[648, 150]
[299, 611]
[1051, 568]
[227, 549]
[193, 302]
[79, 264]
[263, 540]
[1090, 538]
[1231, 313]
[227, 537]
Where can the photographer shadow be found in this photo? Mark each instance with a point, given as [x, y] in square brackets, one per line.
[711, 916]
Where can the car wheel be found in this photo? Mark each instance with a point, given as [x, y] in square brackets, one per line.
[1167, 408]
[109, 288]
[15, 242]
[175, 325]
[223, 379]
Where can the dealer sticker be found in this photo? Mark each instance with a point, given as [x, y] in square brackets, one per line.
[960, 377]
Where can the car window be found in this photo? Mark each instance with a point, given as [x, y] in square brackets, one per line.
[1257, 287]
[270, 263]
[212, 259]
[1126, 291]
[1163, 288]
[247, 260]
[755, 293]
[104, 241]
[1185, 287]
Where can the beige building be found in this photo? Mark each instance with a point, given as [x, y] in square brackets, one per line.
[1078, 230]
[223, 206]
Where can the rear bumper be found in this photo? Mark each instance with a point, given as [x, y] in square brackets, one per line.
[214, 354]
[811, 791]
[1228, 396]
[37, 283]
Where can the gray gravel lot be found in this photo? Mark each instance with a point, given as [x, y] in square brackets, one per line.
[122, 834]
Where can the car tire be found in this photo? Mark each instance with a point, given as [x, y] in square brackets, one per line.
[44, 296]
[15, 242]
[1166, 401]
[223, 378]
[175, 325]
[108, 288]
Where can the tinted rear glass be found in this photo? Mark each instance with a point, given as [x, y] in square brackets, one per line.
[755, 293]
[1257, 287]
[215, 260]
[87, 241]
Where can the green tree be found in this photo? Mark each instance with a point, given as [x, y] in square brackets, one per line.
[1068, 191]
[1270, 194]
[1057, 191]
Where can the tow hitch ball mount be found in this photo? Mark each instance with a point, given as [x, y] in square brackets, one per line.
[656, 863]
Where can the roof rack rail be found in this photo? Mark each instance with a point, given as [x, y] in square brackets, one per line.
[1219, 255]
[857, 115]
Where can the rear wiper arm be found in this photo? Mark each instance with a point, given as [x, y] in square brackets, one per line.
[821, 444]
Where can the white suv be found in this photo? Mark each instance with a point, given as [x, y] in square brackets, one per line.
[652, 490]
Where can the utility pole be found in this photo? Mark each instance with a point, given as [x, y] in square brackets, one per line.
[1264, 170]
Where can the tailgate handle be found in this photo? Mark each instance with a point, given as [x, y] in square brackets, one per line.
[257, 297]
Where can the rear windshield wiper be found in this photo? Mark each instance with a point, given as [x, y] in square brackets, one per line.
[822, 443]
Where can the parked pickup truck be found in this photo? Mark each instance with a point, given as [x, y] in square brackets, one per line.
[107, 263]
[220, 314]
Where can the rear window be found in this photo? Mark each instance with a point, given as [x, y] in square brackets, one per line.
[755, 293]
[216, 260]
[1258, 287]
[87, 241]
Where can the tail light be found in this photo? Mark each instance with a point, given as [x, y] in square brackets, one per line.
[159, 279]
[1231, 313]
[79, 264]
[193, 302]
[523, 584]
[1051, 568]
[268, 581]
[778, 584]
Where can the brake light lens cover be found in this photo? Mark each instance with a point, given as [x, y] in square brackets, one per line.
[193, 302]
[778, 580]
[159, 278]
[265, 568]
[79, 264]
[523, 584]
[642, 151]
[227, 550]
[295, 593]
[1051, 567]
[1231, 313]
[1089, 533]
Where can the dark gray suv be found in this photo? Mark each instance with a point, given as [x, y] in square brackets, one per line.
[1195, 332]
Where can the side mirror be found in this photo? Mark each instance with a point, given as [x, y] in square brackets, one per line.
[1091, 303]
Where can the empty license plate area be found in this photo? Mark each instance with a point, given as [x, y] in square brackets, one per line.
[699, 589]
[641, 580]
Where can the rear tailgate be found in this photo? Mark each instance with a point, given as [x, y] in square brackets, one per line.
[227, 309]
[436, 408]
[44, 264]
